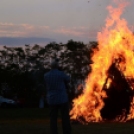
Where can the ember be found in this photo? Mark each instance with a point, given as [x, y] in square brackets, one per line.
[108, 94]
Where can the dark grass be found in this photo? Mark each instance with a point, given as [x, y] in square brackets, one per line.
[36, 121]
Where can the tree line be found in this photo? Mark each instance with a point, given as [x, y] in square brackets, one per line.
[22, 68]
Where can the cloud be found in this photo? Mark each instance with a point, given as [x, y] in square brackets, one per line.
[78, 33]
[27, 30]
[20, 33]
[22, 30]
[75, 31]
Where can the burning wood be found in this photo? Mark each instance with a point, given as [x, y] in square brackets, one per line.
[108, 90]
[119, 95]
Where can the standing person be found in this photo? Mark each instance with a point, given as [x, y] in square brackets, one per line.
[57, 98]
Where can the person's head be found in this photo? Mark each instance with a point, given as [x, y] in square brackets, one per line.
[54, 64]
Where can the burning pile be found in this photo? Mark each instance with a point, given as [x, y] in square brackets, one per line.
[108, 94]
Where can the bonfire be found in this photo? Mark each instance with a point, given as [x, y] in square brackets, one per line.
[108, 94]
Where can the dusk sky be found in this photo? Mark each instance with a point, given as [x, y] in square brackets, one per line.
[43, 21]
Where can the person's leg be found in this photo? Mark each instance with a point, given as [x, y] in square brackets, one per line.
[66, 126]
[53, 119]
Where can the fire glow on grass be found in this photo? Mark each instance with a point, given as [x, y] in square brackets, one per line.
[115, 40]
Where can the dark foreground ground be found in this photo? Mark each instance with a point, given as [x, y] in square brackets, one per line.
[36, 121]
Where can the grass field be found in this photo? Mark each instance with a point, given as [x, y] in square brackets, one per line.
[36, 121]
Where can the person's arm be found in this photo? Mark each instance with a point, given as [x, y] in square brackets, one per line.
[66, 81]
[67, 78]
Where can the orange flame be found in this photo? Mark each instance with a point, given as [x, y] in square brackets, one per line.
[115, 39]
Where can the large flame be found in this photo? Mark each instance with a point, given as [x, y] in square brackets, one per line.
[115, 40]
